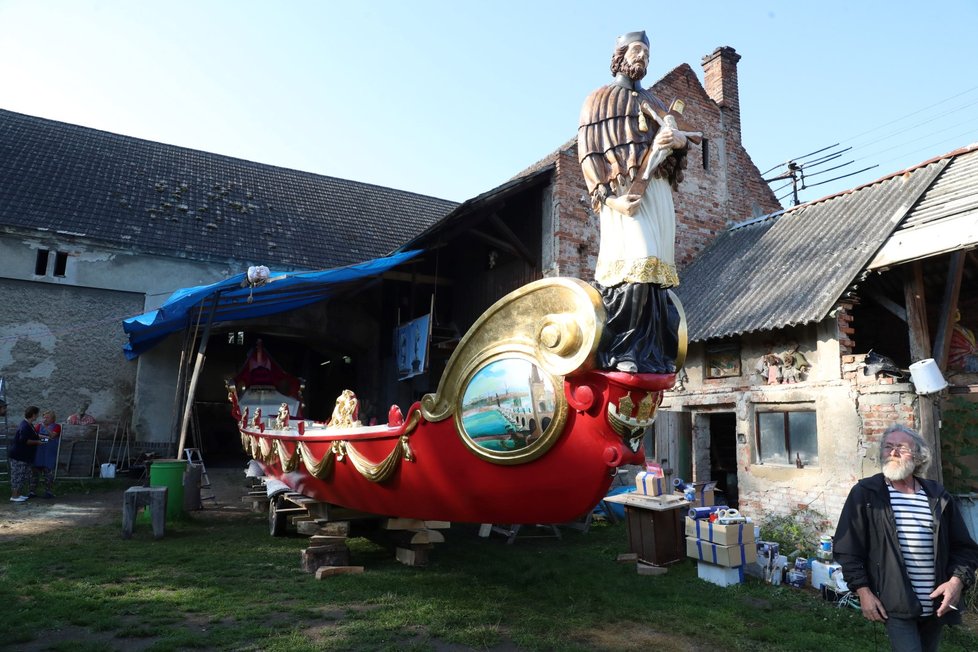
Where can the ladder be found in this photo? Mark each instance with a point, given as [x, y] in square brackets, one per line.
[194, 457]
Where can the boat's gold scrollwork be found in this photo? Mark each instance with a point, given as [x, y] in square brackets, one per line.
[383, 470]
[262, 449]
[289, 462]
[323, 467]
[555, 322]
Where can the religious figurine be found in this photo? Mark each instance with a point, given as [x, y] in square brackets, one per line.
[789, 372]
[794, 365]
[345, 411]
[282, 421]
[768, 367]
[624, 138]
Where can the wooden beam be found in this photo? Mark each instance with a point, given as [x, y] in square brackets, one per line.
[913, 297]
[949, 304]
[895, 308]
[525, 252]
[496, 242]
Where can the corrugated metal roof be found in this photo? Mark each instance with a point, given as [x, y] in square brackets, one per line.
[954, 194]
[792, 267]
[944, 220]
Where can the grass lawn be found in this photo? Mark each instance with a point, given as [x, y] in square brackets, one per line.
[225, 584]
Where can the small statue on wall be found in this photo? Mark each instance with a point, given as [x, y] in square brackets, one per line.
[794, 365]
[768, 367]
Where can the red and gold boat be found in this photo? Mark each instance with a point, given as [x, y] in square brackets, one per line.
[522, 427]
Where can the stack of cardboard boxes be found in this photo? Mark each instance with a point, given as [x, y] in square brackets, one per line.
[723, 550]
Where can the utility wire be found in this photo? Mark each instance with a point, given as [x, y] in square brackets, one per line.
[909, 115]
[900, 132]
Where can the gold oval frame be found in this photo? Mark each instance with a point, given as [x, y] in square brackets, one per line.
[533, 450]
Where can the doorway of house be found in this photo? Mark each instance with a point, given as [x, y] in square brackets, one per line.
[723, 454]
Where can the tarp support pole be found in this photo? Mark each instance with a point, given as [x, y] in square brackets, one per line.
[198, 365]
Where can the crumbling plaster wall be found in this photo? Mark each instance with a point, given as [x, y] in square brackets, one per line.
[61, 337]
[61, 347]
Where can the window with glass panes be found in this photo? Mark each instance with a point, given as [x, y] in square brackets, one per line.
[786, 437]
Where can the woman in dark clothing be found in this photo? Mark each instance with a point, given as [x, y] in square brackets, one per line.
[21, 454]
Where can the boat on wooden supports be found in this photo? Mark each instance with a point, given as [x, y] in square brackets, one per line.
[522, 428]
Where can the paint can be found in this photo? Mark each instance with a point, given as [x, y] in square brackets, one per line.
[926, 376]
[824, 551]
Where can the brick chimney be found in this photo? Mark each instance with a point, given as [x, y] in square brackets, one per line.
[720, 79]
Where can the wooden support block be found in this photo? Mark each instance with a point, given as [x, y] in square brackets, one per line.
[329, 571]
[630, 557]
[649, 569]
[291, 510]
[324, 540]
[336, 529]
[413, 556]
[410, 538]
[331, 555]
[485, 530]
[309, 527]
[428, 536]
[437, 525]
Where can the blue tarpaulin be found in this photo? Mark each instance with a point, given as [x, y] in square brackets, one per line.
[236, 299]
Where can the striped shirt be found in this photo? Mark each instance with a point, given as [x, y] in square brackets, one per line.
[915, 529]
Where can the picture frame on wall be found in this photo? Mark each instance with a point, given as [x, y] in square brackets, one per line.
[723, 360]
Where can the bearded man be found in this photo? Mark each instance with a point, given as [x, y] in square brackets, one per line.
[904, 546]
[619, 135]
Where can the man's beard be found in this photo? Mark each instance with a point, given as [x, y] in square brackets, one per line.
[898, 469]
[635, 71]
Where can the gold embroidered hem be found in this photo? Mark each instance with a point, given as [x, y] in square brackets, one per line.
[643, 270]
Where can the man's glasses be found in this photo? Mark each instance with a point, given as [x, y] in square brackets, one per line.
[902, 449]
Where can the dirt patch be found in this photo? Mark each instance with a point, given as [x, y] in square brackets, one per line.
[67, 510]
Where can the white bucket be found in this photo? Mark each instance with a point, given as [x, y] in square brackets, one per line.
[927, 377]
[108, 470]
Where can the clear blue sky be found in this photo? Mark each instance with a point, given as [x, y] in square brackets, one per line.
[451, 98]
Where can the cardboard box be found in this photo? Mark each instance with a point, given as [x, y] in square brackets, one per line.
[729, 556]
[719, 575]
[649, 484]
[725, 535]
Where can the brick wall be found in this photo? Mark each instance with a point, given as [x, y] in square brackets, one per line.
[880, 401]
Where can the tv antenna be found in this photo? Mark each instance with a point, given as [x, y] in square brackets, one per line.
[798, 170]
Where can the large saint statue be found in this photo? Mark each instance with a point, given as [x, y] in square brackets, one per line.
[632, 153]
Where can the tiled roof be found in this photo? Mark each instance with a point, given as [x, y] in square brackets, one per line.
[792, 267]
[173, 201]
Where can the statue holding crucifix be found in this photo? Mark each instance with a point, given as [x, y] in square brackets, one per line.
[632, 150]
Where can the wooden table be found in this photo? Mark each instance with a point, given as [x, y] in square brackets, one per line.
[656, 529]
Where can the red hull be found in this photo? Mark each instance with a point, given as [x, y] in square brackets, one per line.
[436, 476]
